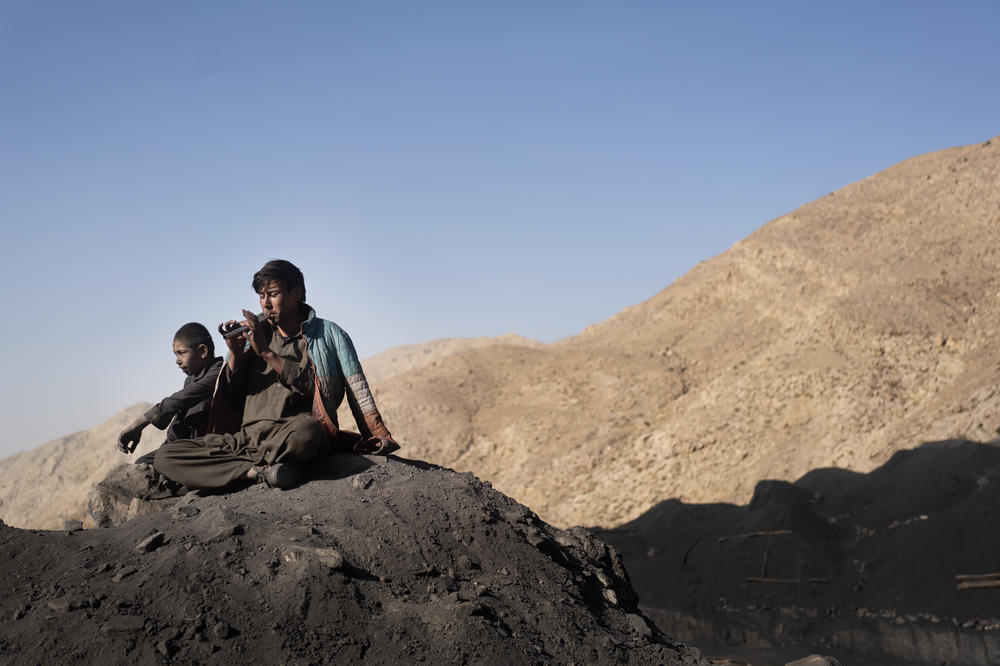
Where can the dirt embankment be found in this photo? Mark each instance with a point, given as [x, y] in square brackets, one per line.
[897, 566]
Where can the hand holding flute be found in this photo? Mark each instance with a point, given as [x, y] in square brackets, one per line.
[238, 333]
[233, 327]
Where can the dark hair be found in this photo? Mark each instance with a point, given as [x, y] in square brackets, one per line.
[193, 334]
[284, 272]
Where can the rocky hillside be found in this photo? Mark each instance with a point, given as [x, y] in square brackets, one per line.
[372, 561]
[857, 325]
[398, 360]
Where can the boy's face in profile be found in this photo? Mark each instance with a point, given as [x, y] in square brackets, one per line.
[190, 360]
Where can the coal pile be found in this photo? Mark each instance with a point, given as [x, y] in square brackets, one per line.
[898, 566]
[373, 560]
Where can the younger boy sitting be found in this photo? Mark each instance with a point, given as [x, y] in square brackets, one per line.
[185, 413]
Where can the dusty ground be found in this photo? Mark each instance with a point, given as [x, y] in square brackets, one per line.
[379, 561]
[861, 567]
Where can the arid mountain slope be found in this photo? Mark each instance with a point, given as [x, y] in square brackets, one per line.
[409, 357]
[857, 325]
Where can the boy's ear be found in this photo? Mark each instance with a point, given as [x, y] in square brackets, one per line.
[203, 350]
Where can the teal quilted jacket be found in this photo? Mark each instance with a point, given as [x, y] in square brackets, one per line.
[338, 374]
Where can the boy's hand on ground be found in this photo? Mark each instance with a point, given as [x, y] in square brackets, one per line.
[128, 440]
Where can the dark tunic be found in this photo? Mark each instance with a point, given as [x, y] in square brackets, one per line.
[185, 413]
[277, 425]
[265, 395]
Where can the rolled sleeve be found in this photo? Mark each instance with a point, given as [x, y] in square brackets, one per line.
[157, 416]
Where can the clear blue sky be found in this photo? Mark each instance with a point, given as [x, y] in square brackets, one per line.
[437, 169]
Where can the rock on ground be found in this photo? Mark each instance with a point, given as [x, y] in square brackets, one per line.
[413, 563]
[127, 491]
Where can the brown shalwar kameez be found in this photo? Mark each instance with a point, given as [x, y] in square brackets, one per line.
[276, 425]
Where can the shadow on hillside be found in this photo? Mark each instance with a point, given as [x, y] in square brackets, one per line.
[859, 564]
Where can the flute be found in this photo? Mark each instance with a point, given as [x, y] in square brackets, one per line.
[244, 328]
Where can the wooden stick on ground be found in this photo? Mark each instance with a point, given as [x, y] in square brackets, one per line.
[754, 534]
[786, 580]
[767, 550]
[973, 584]
[985, 576]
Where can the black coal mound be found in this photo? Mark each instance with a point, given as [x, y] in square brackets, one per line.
[374, 560]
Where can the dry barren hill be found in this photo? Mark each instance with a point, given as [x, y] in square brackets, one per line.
[409, 357]
[860, 324]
